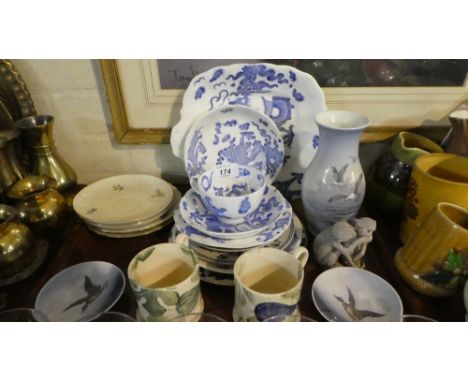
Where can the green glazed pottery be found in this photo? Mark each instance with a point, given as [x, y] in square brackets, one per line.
[388, 177]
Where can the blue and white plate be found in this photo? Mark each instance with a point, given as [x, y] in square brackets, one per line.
[216, 278]
[265, 237]
[292, 237]
[235, 134]
[224, 262]
[195, 213]
[216, 266]
[288, 96]
[213, 274]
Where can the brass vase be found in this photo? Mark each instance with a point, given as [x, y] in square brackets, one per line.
[13, 150]
[37, 133]
[16, 241]
[10, 169]
[39, 204]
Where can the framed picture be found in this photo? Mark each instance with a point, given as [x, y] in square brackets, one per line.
[145, 96]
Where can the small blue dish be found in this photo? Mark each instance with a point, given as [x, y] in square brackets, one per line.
[81, 292]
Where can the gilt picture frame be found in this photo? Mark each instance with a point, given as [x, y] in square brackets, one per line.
[143, 111]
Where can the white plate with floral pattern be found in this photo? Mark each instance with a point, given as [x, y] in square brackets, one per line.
[269, 211]
[141, 224]
[142, 229]
[289, 97]
[123, 199]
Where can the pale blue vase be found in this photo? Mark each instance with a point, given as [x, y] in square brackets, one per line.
[333, 186]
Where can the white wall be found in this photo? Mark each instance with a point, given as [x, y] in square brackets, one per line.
[73, 92]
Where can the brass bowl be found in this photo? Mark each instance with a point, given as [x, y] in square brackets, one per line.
[16, 241]
[39, 206]
[31, 184]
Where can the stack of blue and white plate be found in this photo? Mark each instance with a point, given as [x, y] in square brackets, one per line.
[259, 118]
[217, 256]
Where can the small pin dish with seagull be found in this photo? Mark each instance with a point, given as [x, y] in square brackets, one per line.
[81, 292]
[355, 295]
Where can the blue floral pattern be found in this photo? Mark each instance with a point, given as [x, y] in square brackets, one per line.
[266, 236]
[315, 141]
[288, 96]
[286, 188]
[234, 135]
[245, 205]
[196, 213]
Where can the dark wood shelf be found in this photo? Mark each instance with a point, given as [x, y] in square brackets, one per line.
[76, 244]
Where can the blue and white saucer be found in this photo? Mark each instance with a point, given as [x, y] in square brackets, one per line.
[216, 265]
[265, 237]
[195, 213]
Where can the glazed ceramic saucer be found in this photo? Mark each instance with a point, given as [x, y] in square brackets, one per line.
[268, 235]
[120, 235]
[216, 278]
[348, 294]
[229, 256]
[291, 238]
[213, 275]
[195, 213]
[290, 97]
[213, 261]
[81, 292]
[235, 134]
[139, 229]
[123, 199]
[213, 268]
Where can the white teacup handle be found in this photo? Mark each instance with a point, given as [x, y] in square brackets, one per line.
[301, 254]
[194, 184]
[182, 239]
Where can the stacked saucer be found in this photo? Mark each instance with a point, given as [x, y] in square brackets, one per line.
[232, 155]
[218, 236]
[127, 205]
[217, 262]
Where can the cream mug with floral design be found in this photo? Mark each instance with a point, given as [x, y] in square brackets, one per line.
[268, 283]
[165, 281]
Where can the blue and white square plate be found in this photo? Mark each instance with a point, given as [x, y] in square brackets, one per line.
[289, 97]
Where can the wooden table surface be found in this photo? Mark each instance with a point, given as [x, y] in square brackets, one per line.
[76, 244]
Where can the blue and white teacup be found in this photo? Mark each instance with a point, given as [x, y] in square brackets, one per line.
[268, 283]
[231, 192]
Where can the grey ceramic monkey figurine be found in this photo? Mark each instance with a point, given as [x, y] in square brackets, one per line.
[344, 243]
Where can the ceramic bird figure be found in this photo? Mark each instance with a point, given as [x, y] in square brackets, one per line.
[350, 308]
[92, 292]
